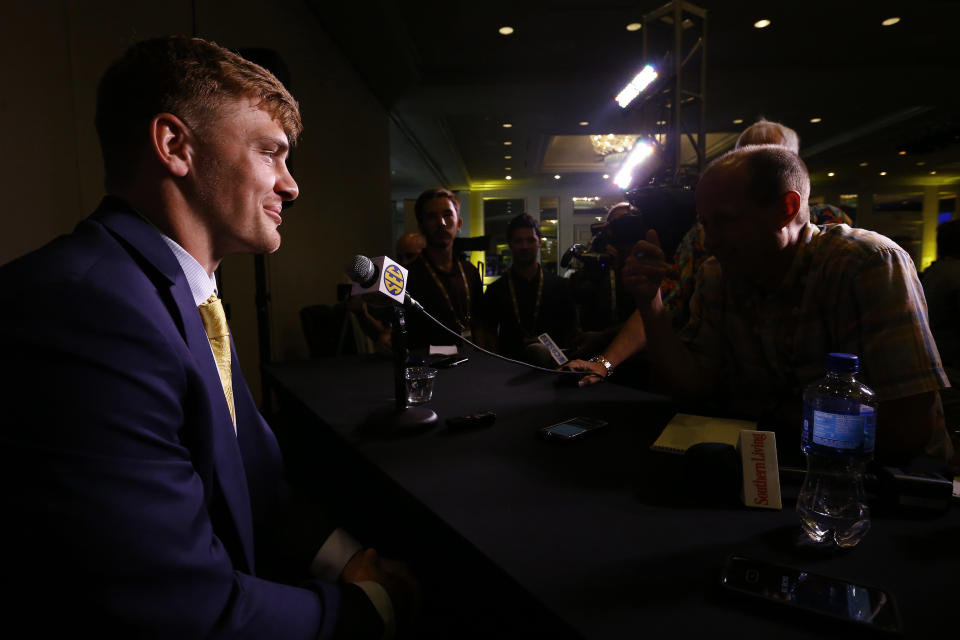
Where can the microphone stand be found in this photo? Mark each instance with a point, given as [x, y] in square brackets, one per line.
[404, 416]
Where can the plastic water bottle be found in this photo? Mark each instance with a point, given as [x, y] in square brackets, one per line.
[839, 423]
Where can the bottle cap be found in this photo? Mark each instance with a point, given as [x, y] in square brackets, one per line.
[843, 363]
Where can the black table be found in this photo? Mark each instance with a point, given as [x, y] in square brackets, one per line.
[596, 538]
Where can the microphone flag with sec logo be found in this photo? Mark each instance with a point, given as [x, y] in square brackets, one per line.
[381, 275]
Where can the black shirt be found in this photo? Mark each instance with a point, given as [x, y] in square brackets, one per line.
[423, 288]
[556, 315]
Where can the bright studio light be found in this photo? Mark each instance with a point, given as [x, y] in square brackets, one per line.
[640, 152]
[640, 82]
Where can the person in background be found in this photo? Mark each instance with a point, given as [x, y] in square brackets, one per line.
[448, 286]
[601, 303]
[527, 301]
[409, 246]
[137, 464]
[678, 284]
[778, 294]
[941, 285]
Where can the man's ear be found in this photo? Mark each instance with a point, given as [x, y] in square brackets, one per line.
[172, 143]
[790, 204]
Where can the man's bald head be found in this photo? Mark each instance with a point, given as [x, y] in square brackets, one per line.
[768, 171]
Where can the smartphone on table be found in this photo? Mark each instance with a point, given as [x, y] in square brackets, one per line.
[859, 604]
[572, 428]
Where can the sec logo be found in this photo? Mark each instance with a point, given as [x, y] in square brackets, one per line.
[393, 280]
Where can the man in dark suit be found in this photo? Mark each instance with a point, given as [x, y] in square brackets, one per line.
[143, 492]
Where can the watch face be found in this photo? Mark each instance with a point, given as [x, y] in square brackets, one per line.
[601, 360]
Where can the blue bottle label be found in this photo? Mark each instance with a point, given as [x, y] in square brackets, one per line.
[844, 431]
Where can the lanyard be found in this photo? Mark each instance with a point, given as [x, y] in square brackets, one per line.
[536, 306]
[465, 323]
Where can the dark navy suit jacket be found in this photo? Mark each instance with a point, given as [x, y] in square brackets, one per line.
[130, 505]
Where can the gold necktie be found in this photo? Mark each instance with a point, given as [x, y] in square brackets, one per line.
[215, 324]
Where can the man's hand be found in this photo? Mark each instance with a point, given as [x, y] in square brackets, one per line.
[595, 371]
[392, 575]
[644, 269]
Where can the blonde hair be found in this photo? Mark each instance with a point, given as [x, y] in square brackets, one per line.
[190, 78]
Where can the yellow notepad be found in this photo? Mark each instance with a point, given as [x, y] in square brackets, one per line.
[685, 430]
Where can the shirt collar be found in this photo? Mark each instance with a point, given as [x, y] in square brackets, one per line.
[202, 285]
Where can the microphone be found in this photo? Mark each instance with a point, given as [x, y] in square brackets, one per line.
[361, 270]
[747, 473]
[382, 277]
[385, 280]
[720, 474]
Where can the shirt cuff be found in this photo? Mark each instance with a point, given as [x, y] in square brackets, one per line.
[333, 556]
[381, 600]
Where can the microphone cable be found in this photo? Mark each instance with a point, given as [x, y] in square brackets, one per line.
[416, 305]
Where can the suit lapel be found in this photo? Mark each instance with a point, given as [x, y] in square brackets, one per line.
[228, 463]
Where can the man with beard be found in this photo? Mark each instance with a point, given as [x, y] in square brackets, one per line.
[448, 286]
[527, 301]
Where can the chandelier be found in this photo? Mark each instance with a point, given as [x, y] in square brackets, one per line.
[605, 144]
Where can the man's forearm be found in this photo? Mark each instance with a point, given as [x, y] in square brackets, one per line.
[631, 338]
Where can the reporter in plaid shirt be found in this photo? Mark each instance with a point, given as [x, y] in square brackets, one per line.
[779, 294]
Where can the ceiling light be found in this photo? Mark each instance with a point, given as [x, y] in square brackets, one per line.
[738, 121]
[505, 31]
[507, 157]
[507, 125]
[761, 24]
[933, 173]
[863, 164]
[883, 173]
[921, 163]
[830, 174]
[889, 22]
[606, 176]
[612, 143]
[507, 143]
[815, 120]
[584, 123]
[640, 82]
[661, 122]
[634, 26]
[508, 177]
[556, 177]
[901, 153]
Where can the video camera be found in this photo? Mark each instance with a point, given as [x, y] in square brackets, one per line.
[593, 258]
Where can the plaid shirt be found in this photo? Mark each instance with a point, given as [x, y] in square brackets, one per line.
[848, 290]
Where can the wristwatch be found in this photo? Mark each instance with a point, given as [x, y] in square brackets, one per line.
[606, 364]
